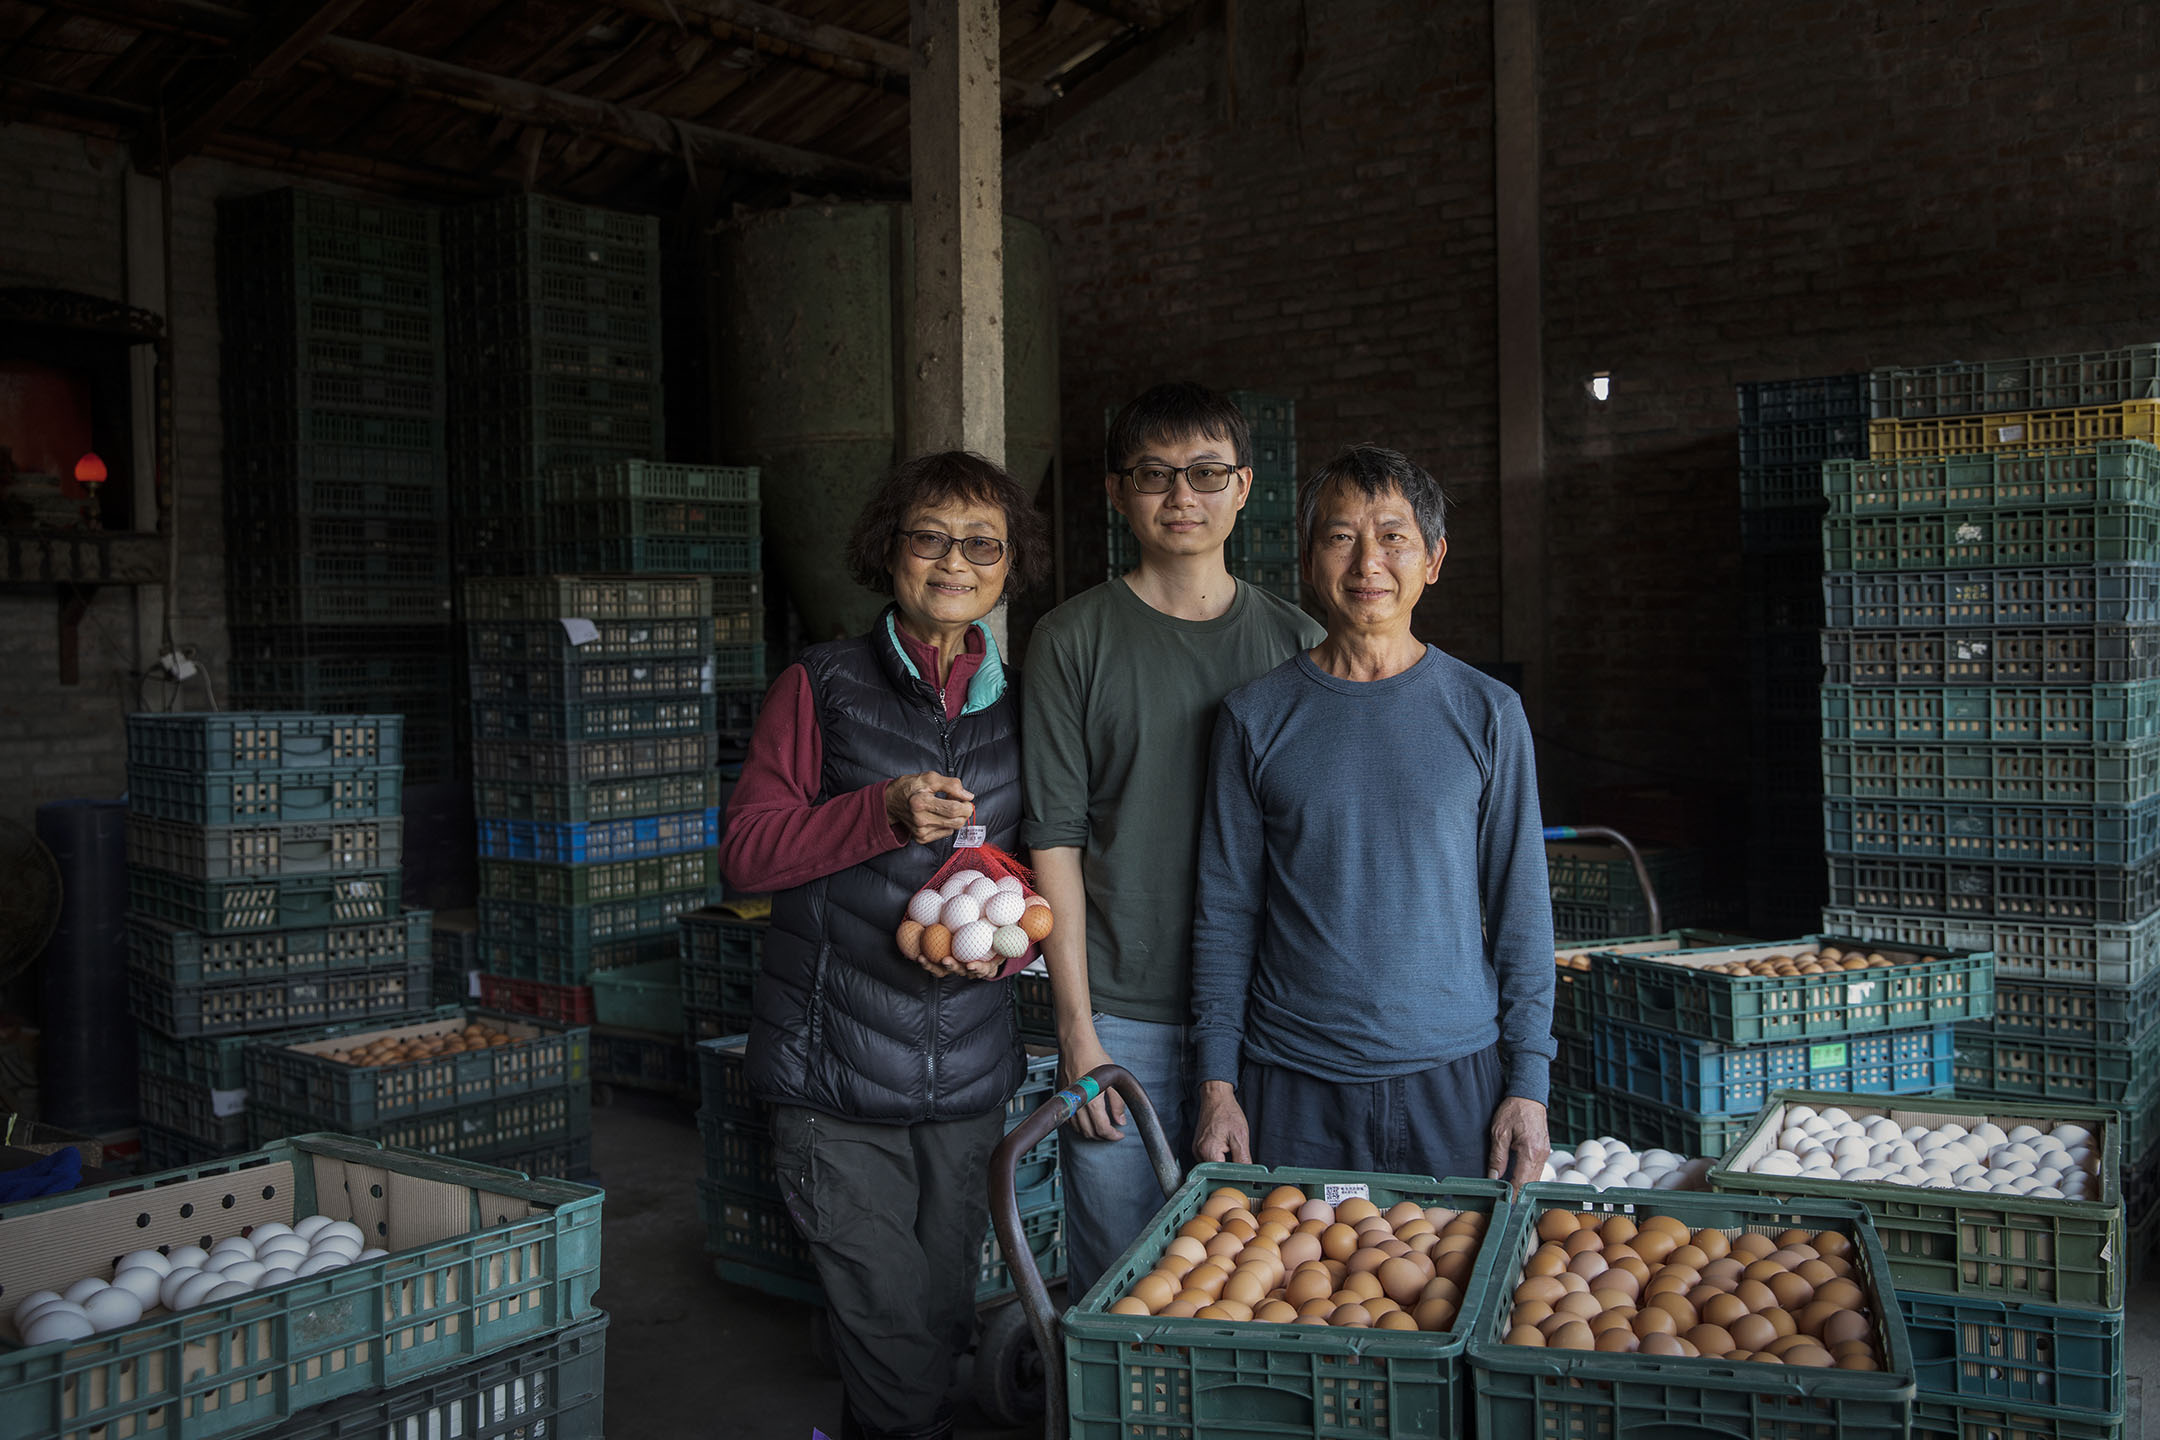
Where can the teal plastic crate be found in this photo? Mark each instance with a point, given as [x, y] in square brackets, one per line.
[545, 720]
[270, 797]
[484, 1131]
[552, 963]
[1955, 601]
[393, 991]
[536, 882]
[1126, 1373]
[530, 642]
[1647, 1125]
[2036, 382]
[1936, 1418]
[219, 1062]
[2111, 472]
[559, 803]
[301, 850]
[644, 996]
[721, 955]
[2117, 837]
[184, 959]
[1992, 655]
[205, 1120]
[1679, 994]
[520, 762]
[1735, 1080]
[481, 1261]
[1958, 1243]
[553, 1388]
[237, 740]
[1988, 1352]
[589, 597]
[1535, 1391]
[577, 681]
[232, 907]
[2098, 534]
[2080, 954]
[640, 1060]
[2038, 1068]
[2056, 894]
[300, 1077]
[1573, 1116]
[2069, 1011]
[1575, 996]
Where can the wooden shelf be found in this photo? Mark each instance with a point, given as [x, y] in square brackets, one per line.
[81, 558]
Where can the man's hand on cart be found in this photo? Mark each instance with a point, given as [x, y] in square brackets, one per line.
[1103, 1117]
[1220, 1133]
[1518, 1126]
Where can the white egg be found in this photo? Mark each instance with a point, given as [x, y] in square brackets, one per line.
[1903, 1153]
[958, 882]
[972, 942]
[228, 1290]
[287, 1241]
[192, 1293]
[59, 1322]
[2021, 1133]
[1590, 1150]
[372, 1254]
[1882, 1128]
[1897, 1177]
[38, 1300]
[1790, 1136]
[141, 1282]
[1847, 1148]
[169, 1290]
[307, 1227]
[225, 1260]
[1916, 1133]
[1562, 1158]
[960, 911]
[81, 1291]
[277, 1276]
[1004, 908]
[983, 889]
[112, 1308]
[1936, 1180]
[1914, 1173]
[234, 1245]
[1799, 1113]
[1009, 941]
[1864, 1172]
[925, 907]
[1777, 1165]
[247, 1272]
[2071, 1134]
[268, 1230]
[1836, 1116]
[1573, 1177]
[188, 1255]
[144, 1260]
[1012, 884]
[1637, 1180]
[1990, 1134]
[323, 1260]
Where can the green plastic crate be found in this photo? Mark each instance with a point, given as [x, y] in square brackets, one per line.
[2069, 1010]
[1674, 992]
[264, 797]
[1128, 1374]
[482, 1131]
[220, 1062]
[1936, 1418]
[185, 959]
[1575, 996]
[203, 1119]
[2030, 382]
[640, 1060]
[481, 1261]
[1573, 1116]
[1952, 1242]
[2080, 954]
[299, 1076]
[645, 996]
[1534, 1391]
[2114, 471]
[1648, 1125]
[601, 800]
[2096, 534]
[1995, 714]
[2038, 774]
[381, 993]
[535, 882]
[1733, 1081]
[1033, 1004]
[1991, 1353]
[302, 850]
[239, 740]
[232, 907]
[589, 597]
[2043, 1069]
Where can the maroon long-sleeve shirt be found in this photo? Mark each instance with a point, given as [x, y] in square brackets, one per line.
[777, 835]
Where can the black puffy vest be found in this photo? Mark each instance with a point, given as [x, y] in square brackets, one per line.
[841, 1021]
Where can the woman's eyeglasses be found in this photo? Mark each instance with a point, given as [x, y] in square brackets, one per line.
[936, 544]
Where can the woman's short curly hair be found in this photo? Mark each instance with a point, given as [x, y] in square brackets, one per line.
[947, 476]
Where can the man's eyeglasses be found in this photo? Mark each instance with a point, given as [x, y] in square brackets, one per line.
[1207, 477]
[936, 544]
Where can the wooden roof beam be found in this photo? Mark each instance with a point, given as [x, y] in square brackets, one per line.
[265, 53]
[1139, 14]
[621, 125]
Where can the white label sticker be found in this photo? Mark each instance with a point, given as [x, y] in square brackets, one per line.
[1336, 1194]
[968, 837]
[2005, 434]
[1967, 533]
[472, 983]
[225, 1103]
[1860, 992]
[580, 632]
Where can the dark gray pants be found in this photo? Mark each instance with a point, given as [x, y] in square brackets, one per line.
[1435, 1122]
[895, 1216]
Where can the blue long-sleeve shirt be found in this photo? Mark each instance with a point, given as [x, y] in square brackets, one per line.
[1372, 890]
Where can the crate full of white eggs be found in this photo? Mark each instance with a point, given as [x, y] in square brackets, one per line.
[1973, 1200]
[1605, 1162]
[262, 1284]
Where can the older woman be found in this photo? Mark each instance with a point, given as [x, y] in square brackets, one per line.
[888, 1077]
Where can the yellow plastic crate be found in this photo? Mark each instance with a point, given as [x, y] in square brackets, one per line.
[2081, 428]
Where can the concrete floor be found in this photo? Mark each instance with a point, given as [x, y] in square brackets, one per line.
[689, 1355]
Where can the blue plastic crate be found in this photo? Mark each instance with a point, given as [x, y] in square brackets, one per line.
[2089, 835]
[577, 842]
[1736, 1080]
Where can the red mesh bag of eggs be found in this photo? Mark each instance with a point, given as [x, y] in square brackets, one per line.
[979, 915]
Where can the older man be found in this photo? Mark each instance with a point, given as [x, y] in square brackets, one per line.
[1372, 950]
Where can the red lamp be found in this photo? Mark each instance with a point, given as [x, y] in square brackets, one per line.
[90, 470]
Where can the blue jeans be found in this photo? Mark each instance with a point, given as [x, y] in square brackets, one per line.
[1111, 1192]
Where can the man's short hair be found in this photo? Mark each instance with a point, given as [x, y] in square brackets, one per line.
[1373, 471]
[1167, 414]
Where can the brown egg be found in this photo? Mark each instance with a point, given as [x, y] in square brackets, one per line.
[1786, 1342]
[1630, 1265]
[1761, 1271]
[1795, 1237]
[1221, 1201]
[1589, 1265]
[1392, 1247]
[1654, 1246]
[1284, 1197]
[1191, 1299]
[1354, 1209]
[1764, 1357]
[1621, 1315]
[910, 938]
[1572, 1336]
[1417, 1227]
[1571, 1283]
[1423, 1262]
[1035, 922]
[1353, 1317]
[1372, 1230]
[1380, 1307]
[1202, 1228]
[1308, 1285]
[1396, 1320]
[1713, 1243]
[1320, 1308]
[1222, 1311]
[936, 942]
[1520, 1335]
[1850, 1347]
[1154, 1290]
[1677, 1307]
[1617, 1250]
[1276, 1312]
[1724, 1309]
[1581, 1307]
[1246, 1287]
[1317, 1210]
[1439, 1215]
[1440, 1315]
[1816, 1272]
[1335, 1268]
[1456, 1244]
[1456, 1266]
[1781, 1320]
[1277, 1223]
[1846, 1325]
[1526, 1312]
[1130, 1306]
[1400, 1280]
[1830, 1245]
[1440, 1288]
[1297, 1249]
[1618, 1282]
[1703, 1294]
[1670, 1282]
[1725, 1273]
[1617, 1341]
[1364, 1284]
[1347, 1296]
[1244, 1229]
[1178, 1310]
[1581, 1241]
[1752, 1246]
[1546, 1260]
[1752, 1332]
[1857, 1362]
[1710, 1339]
[1310, 1227]
[1208, 1279]
[1175, 1265]
[1556, 1225]
[1617, 1230]
[1227, 1242]
[1690, 1255]
[1792, 1290]
[1653, 1321]
[1842, 1293]
[1338, 1242]
[1364, 1260]
[1658, 1343]
[1813, 1356]
[1537, 1287]
[1757, 1296]
[1402, 1212]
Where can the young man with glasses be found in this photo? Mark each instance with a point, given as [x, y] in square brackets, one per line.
[1122, 687]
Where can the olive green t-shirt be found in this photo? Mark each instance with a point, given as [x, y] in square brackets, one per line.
[1119, 708]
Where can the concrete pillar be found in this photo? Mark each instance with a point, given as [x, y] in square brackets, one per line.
[958, 391]
[1518, 238]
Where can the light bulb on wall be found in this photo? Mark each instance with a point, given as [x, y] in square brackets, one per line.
[90, 470]
[1601, 385]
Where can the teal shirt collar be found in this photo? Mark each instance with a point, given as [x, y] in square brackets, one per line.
[984, 690]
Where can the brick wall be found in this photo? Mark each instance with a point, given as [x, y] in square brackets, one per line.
[66, 197]
[1730, 193]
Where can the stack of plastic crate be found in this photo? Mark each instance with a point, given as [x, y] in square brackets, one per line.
[1787, 429]
[640, 517]
[1263, 549]
[1991, 712]
[1595, 890]
[1691, 1041]
[337, 561]
[554, 319]
[593, 747]
[263, 894]
[748, 1232]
